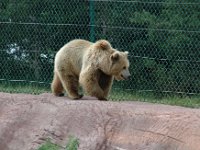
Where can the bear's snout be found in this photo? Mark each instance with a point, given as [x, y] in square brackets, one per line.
[125, 74]
[126, 77]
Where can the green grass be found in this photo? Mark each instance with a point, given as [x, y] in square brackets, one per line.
[115, 95]
[72, 144]
[30, 88]
[168, 99]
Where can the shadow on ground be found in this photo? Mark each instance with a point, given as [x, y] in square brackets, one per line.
[26, 121]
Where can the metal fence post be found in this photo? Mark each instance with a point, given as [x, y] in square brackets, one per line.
[92, 21]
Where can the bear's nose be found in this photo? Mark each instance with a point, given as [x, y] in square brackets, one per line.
[128, 76]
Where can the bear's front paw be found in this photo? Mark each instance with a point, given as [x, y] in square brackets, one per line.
[61, 94]
[103, 99]
[79, 97]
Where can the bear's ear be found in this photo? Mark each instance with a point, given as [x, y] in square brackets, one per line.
[126, 52]
[114, 56]
[103, 44]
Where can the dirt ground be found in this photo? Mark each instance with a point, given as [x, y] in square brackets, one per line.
[26, 121]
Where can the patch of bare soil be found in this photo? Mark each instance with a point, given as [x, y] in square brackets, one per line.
[26, 121]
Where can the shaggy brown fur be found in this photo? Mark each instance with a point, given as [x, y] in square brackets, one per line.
[92, 65]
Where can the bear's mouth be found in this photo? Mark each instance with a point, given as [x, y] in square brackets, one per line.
[123, 77]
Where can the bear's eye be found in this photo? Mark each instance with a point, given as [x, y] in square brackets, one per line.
[124, 67]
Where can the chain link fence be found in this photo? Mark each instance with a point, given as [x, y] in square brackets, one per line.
[162, 37]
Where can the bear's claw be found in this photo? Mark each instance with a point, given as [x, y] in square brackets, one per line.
[80, 96]
[103, 99]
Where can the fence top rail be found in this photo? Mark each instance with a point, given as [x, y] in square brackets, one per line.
[100, 26]
[150, 2]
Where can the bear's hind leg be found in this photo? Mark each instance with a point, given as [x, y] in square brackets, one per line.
[71, 85]
[56, 86]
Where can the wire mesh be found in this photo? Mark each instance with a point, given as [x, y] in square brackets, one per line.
[162, 38]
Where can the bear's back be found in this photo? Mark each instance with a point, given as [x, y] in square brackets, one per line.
[71, 55]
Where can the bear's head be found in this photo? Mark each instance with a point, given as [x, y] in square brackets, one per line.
[111, 61]
[120, 65]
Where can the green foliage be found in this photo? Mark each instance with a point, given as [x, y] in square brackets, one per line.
[73, 144]
[161, 36]
[49, 146]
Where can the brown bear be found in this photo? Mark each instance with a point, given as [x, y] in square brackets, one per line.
[92, 65]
